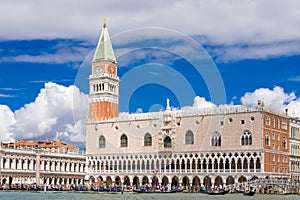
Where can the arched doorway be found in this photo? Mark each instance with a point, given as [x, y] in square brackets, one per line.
[118, 181]
[99, 179]
[108, 180]
[136, 182]
[145, 180]
[229, 180]
[126, 181]
[218, 181]
[165, 181]
[242, 179]
[50, 180]
[207, 182]
[175, 182]
[196, 183]
[185, 182]
[254, 178]
[154, 182]
[10, 180]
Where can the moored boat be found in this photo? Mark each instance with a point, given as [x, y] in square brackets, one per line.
[249, 193]
[156, 191]
[217, 192]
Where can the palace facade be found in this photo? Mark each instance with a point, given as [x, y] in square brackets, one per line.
[50, 162]
[212, 146]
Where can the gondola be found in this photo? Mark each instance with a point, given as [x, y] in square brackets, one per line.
[249, 193]
[113, 189]
[156, 191]
[217, 192]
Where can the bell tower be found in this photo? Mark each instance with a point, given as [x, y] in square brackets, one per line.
[104, 81]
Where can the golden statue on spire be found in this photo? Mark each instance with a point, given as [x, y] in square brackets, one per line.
[104, 22]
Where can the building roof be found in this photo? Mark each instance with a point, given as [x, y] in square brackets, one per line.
[104, 50]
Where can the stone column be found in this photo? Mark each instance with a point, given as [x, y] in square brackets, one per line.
[1, 163]
[38, 166]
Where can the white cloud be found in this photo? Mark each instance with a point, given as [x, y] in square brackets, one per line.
[270, 27]
[294, 79]
[139, 110]
[222, 21]
[56, 110]
[5, 96]
[64, 53]
[6, 120]
[262, 51]
[276, 99]
[199, 103]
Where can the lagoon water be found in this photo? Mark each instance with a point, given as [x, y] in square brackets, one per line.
[7, 195]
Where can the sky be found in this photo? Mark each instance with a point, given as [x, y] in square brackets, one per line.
[196, 53]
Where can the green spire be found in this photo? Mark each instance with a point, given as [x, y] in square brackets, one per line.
[104, 50]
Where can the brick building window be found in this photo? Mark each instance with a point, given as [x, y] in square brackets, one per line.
[273, 123]
[267, 140]
[268, 120]
[283, 125]
[284, 143]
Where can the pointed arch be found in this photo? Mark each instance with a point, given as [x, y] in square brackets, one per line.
[147, 139]
[167, 142]
[216, 139]
[246, 138]
[101, 141]
[124, 141]
[189, 137]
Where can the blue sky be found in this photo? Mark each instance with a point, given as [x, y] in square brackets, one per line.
[249, 50]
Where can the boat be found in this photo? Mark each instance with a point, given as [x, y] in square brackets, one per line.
[157, 191]
[113, 189]
[217, 192]
[249, 193]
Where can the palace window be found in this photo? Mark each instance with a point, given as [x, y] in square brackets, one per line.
[284, 143]
[216, 139]
[124, 141]
[267, 140]
[189, 137]
[246, 138]
[268, 120]
[283, 125]
[167, 142]
[148, 140]
[101, 141]
[273, 123]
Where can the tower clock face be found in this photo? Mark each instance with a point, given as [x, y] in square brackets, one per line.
[98, 69]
